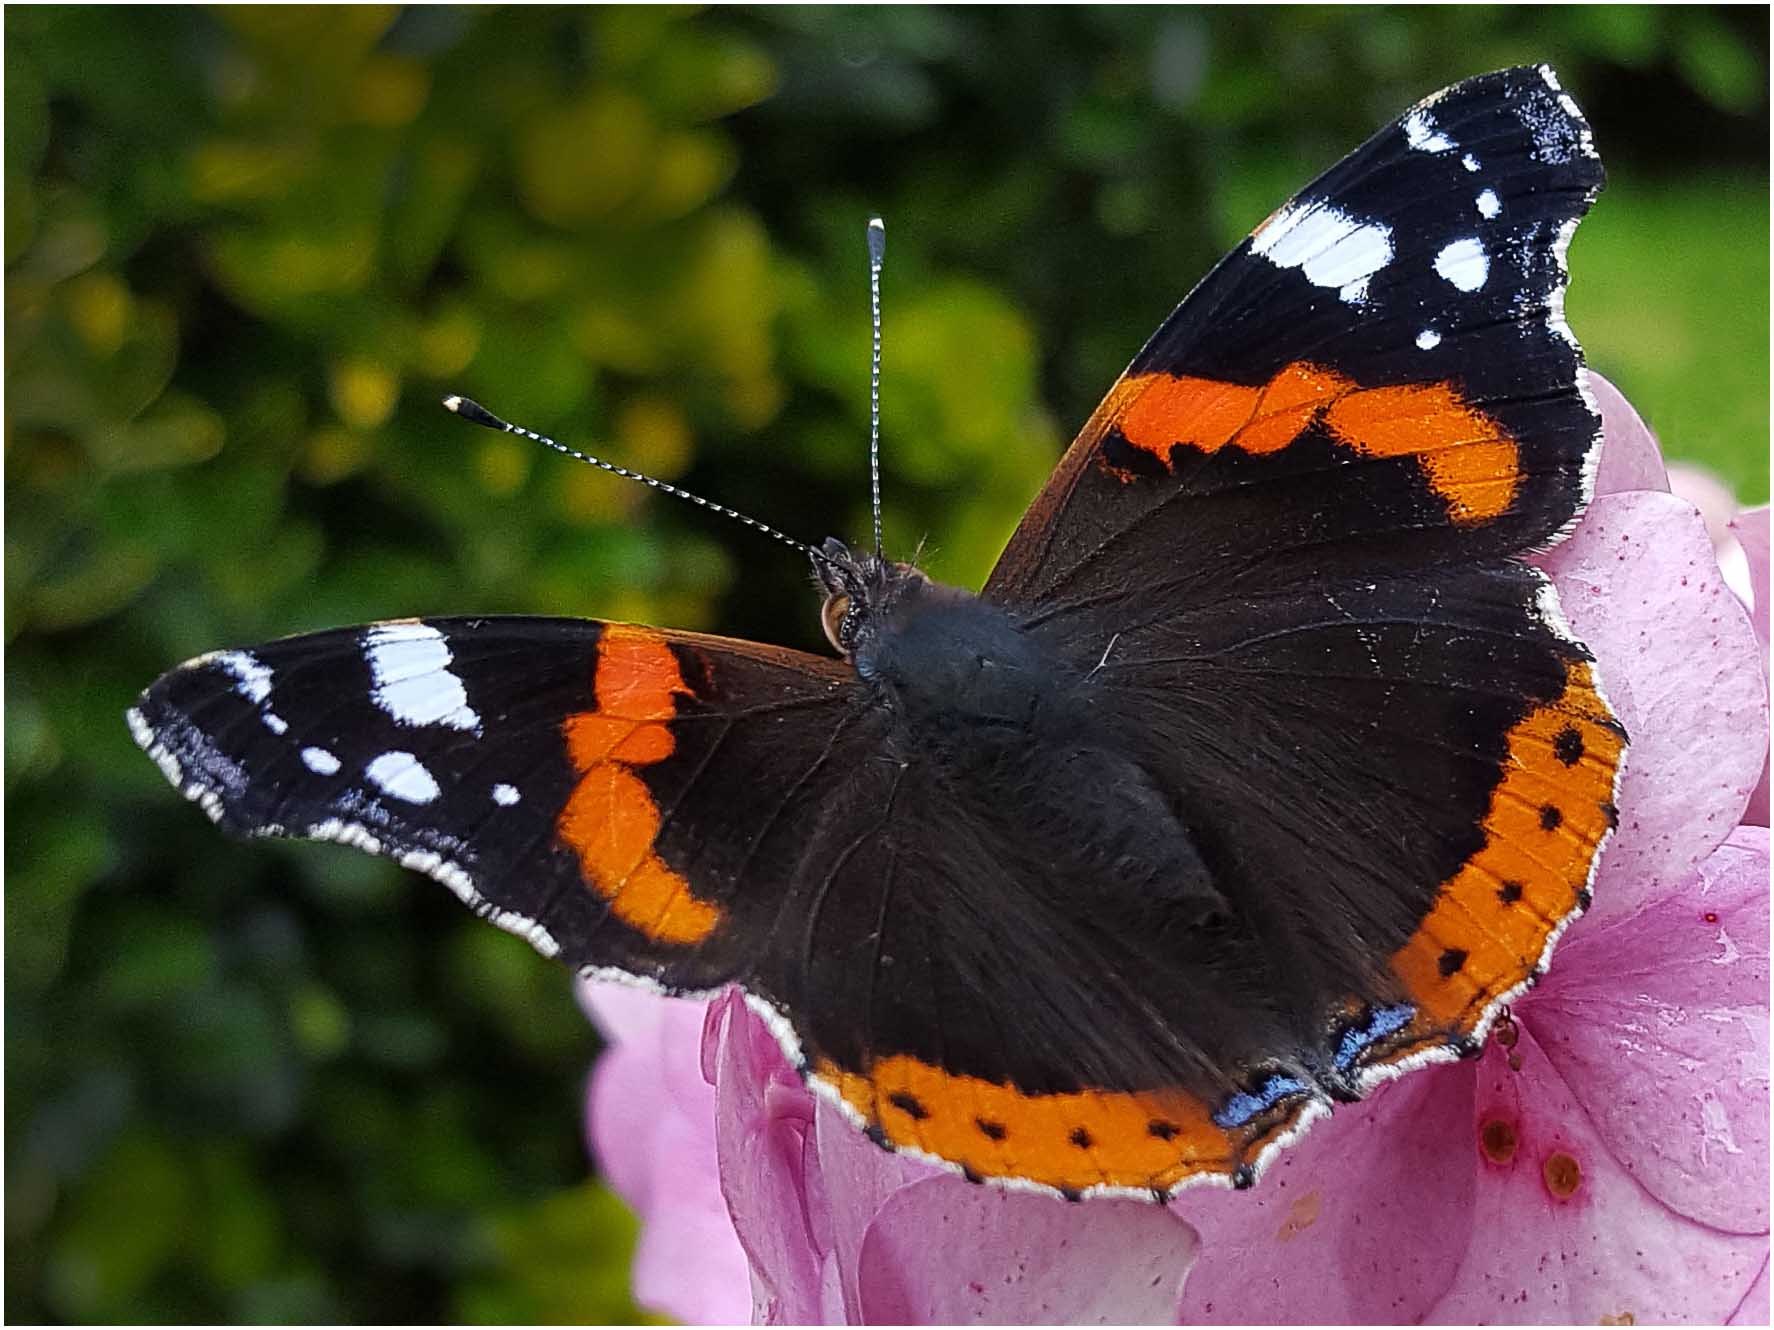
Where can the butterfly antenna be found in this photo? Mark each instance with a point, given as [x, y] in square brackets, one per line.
[471, 410]
[877, 249]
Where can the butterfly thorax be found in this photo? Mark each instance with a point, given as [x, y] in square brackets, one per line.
[940, 657]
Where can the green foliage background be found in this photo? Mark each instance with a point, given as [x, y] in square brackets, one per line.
[247, 250]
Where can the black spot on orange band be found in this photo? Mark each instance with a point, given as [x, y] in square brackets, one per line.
[1568, 746]
[909, 1105]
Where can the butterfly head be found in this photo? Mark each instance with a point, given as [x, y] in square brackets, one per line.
[861, 591]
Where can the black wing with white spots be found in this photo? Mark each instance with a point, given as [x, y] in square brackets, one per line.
[1380, 374]
[468, 749]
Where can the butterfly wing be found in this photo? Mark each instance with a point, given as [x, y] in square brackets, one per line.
[620, 796]
[1381, 372]
[1287, 542]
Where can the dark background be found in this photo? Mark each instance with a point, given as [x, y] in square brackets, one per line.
[248, 250]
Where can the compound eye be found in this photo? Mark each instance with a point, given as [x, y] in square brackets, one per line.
[832, 616]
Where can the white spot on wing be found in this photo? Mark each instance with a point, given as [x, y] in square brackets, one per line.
[408, 662]
[145, 740]
[319, 761]
[1488, 203]
[1428, 339]
[1421, 133]
[404, 777]
[1329, 247]
[505, 795]
[1464, 263]
[252, 676]
[1469, 161]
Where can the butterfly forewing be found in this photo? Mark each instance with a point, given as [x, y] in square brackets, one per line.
[1380, 375]
[567, 779]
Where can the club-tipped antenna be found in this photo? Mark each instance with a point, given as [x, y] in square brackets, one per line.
[471, 410]
[877, 250]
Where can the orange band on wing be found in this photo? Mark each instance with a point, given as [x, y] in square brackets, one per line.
[1069, 1141]
[1467, 458]
[1491, 920]
[611, 819]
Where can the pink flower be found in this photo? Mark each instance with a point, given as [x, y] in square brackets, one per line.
[650, 1117]
[1612, 1159]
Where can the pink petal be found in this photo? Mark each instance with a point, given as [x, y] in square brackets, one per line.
[622, 1011]
[768, 1165]
[947, 1252]
[1754, 1309]
[1659, 1026]
[859, 1177]
[689, 1265]
[1631, 459]
[1364, 1221]
[625, 1104]
[1751, 530]
[1718, 507]
[1702, 487]
[651, 1121]
[1562, 1233]
[1680, 663]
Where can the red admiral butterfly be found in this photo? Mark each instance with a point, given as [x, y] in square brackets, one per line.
[1261, 769]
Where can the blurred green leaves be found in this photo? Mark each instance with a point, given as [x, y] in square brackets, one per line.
[247, 249]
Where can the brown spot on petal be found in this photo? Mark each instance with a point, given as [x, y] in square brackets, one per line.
[1498, 1140]
[1301, 1215]
[1563, 1175]
[1619, 1318]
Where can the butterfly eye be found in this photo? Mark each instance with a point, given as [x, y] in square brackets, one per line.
[837, 609]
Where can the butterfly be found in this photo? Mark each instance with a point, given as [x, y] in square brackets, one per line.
[1261, 769]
